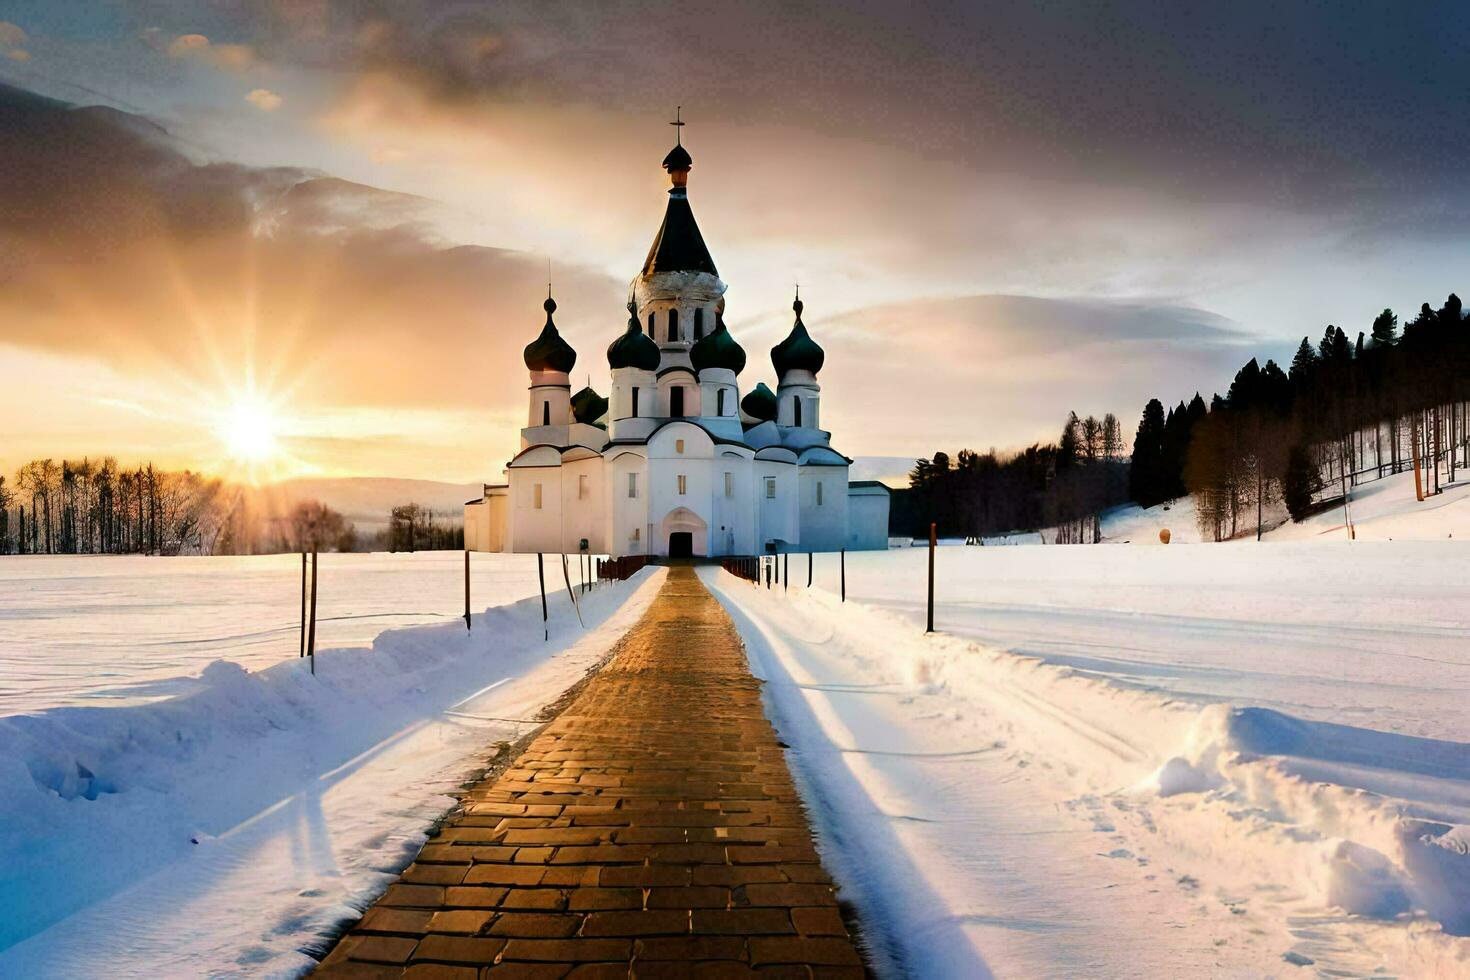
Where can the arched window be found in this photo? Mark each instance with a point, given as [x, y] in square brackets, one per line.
[635, 402]
[796, 404]
[676, 400]
[720, 402]
[673, 326]
[699, 323]
[546, 413]
[650, 326]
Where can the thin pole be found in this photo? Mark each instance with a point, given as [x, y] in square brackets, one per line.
[467, 590]
[809, 569]
[933, 541]
[541, 577]
[303, 603]
[311, 637]
[843, 559]
[787, 583]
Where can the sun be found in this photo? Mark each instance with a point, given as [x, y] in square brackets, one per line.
[249, 429]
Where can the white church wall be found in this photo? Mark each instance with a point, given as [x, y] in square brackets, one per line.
[536, 507]
[734, 501]
[584, 504]
[823, 492]
[680, 466]
[867, 518]
[776, 502]
[627, 532]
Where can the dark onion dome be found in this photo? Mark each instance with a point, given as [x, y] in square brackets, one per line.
[717, 350]
[760, 404]
[634, 348]
[678, 159]
[678, 246]
[588, 406]
[548, 352]
[798, 352]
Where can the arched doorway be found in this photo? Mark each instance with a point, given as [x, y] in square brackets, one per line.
[685, 533]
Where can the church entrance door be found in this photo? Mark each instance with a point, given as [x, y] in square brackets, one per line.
[681, 544]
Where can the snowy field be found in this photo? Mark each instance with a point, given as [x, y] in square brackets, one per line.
[1230, 759]
[226, 830]
[121, 629]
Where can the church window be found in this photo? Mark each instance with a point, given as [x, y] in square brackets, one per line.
[729, 484]
[720, 402]
[676, 400]
[770, 488]
[673, 326]
[650, 325]
[582, 486]
[635, 402]
[536, 496]
[819, 493]
[698, 322]
[796, 404]
[683, 484]
[679, 446]
[546, 413]
[632, 485]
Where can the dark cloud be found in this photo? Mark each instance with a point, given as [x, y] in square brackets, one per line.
[1302, 104]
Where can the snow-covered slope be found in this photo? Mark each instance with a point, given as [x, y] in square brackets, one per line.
[226, 831]
[1151, 761]
[1384, 510]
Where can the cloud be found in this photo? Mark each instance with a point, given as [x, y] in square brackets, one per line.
[115, 246]
[13, 42]
[263, 99]
[197, 47]
[1008, 368]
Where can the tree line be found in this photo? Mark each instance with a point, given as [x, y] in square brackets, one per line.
[90, 507]
[1065, 485]
[1342, 413]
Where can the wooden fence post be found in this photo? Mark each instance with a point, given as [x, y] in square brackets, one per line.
[933, 542]
[303, 603]
[311, 637]
[809, 569]
[787, 570]
[467, 590]
[541, 577]
[843, 559]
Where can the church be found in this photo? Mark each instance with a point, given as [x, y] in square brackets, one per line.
[675, 462]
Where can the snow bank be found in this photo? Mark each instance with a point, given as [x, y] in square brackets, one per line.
[1055, 810]
[260, 810]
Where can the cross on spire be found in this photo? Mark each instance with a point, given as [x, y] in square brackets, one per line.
[678, 125]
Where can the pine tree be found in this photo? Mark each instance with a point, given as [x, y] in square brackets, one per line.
[1385, 328]
[1146, 478]
[1301, 482]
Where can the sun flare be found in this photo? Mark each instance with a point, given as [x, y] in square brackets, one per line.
[250, 429]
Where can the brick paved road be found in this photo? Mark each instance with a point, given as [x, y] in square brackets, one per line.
[652, 830]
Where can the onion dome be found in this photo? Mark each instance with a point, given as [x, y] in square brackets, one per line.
[798, 352]
[634, 348]
[678, 159]
[548, 352]
[717, 350]
[588, 406]
[760, 404]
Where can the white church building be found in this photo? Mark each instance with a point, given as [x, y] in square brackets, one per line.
[675, 462]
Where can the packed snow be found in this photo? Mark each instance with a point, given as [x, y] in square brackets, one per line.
[229, 830]
[123, 629]
[1115, 761]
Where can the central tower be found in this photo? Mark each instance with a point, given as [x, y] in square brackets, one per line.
[677, 293]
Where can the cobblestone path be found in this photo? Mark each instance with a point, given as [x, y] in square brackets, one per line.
[652, 830]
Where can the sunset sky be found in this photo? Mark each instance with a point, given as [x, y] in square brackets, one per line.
[313, 237]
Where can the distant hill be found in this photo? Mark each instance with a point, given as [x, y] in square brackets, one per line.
[366, 500]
